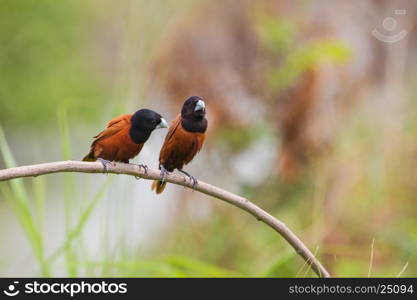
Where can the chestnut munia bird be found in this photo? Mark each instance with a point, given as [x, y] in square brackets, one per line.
[124, 137]
[183, 140]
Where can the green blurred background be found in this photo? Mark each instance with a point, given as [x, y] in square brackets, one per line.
[311, 117]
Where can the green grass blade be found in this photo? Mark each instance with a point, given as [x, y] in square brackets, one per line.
[10, 162]
[85, 216]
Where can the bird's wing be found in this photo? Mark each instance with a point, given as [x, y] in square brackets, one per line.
[113, 127]
[172, 129]
[125, 119]
[169, 138]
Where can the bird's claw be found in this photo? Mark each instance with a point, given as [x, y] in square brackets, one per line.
[144, 167]
[195, 182]
[105, 163]
[192, 179]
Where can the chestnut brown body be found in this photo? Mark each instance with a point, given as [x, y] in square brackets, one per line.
[184, 140]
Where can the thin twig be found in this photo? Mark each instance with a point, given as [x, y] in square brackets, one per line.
[151, 174]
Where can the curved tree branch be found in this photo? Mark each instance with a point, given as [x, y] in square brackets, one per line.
[134, 170]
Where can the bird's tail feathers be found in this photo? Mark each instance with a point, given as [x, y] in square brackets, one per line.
[89, 156]
[158, 186]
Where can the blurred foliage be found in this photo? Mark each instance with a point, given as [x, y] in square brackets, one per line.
[172, 266]
[280, 36]
[17, 197]
[236, 139]
[44, 61]
[277, 34]
[304, 58]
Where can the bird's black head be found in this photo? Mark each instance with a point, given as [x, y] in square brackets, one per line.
[144, 121]
[193, 114]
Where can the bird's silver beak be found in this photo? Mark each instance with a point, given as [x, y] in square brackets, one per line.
[162, 124]
[200, 105]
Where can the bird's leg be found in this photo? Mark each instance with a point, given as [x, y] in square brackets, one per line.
[105, 163]
[164, 173]
[192, 178]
